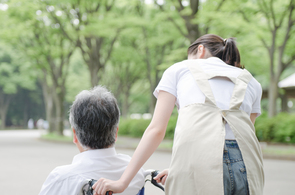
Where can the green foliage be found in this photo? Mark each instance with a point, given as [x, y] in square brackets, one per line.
[148, 38]
[136, 127]
[280, 128]
[133, 127]
[78, 77]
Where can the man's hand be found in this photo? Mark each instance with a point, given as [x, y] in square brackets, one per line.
[161, 177]
[102, 186]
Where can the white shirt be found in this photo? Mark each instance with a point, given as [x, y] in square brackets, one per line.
[178, 81]
[92, 164]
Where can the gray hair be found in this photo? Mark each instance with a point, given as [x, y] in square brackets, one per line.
[95, 117]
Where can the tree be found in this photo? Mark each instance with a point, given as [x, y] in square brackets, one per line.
[57, 51]
[13, 75]
[126, 68]
[42, 40]
[191, 18]
[277, 18]
[93, 28]
[157, 40]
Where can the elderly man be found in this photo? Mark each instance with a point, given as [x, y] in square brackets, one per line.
[94, 117]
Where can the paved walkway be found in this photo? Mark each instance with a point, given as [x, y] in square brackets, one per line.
[25, 162]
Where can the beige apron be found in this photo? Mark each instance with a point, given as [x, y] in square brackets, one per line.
[197, 156]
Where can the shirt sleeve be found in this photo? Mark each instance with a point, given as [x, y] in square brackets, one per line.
[167, 83]
[54, 185]
[256, 106]
[51, 186]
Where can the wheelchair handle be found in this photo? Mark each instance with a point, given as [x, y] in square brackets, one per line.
[90, 190]
[154, 182]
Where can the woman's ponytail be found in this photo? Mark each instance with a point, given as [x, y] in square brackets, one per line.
[231, 54]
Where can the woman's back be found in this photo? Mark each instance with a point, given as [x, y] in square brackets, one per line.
[178, 81]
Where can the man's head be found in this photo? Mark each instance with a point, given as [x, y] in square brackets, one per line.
[94, 117]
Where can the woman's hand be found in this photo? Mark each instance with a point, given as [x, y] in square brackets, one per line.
[161, 177]
[102, 186]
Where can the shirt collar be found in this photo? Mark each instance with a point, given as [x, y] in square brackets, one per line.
[97, 153]
[215, 59]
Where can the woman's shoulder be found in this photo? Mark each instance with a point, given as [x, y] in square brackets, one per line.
[255, 84]
[178, 66]
[178, 69]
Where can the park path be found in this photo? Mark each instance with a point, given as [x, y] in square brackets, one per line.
[25, 162]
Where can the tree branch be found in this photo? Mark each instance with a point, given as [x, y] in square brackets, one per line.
[287, 35]
[111, 46]
[244, 15]
[287, 64]
[220, 5]
[194, 4]
[178, 27]
[263, 9]
[265, 45]
[210, 19]
[109, 7]
[180, 5]
[273, 14]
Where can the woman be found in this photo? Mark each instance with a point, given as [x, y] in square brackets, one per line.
[215, 149]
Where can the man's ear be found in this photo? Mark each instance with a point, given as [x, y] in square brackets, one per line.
[117, 133]
[75, 139]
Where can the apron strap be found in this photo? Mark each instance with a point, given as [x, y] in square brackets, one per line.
[240, 89]
[202, 80]
[241, 83]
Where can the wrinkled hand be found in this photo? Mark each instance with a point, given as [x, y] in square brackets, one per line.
[161, 177]
[102, 186]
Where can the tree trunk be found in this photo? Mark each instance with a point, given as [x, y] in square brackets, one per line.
[59, 110]
[125, 106]
[284, 103]
[272, 97]
[94, 77]
[193, 31]
[4, 104]
[49, 103]
[26, 112]
[50, 116]
[3, 113]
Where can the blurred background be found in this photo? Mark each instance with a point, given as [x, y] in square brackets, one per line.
[50, 50]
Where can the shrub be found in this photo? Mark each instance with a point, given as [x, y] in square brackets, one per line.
[284, 128]
[280, 128]
[264, 128]
[136, 127]
[133, 127]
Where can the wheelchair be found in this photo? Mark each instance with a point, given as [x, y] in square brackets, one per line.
[87, 188]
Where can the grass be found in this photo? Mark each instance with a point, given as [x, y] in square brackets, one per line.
[166, 144]
[56, 137]
[279, 150]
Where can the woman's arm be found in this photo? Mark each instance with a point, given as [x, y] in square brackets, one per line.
[253, 117]
[151, 139]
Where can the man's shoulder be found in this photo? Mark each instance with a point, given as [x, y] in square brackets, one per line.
[60, 173]
[62, 170]
[60, 179]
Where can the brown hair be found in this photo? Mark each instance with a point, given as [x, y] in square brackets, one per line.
[225, 49]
